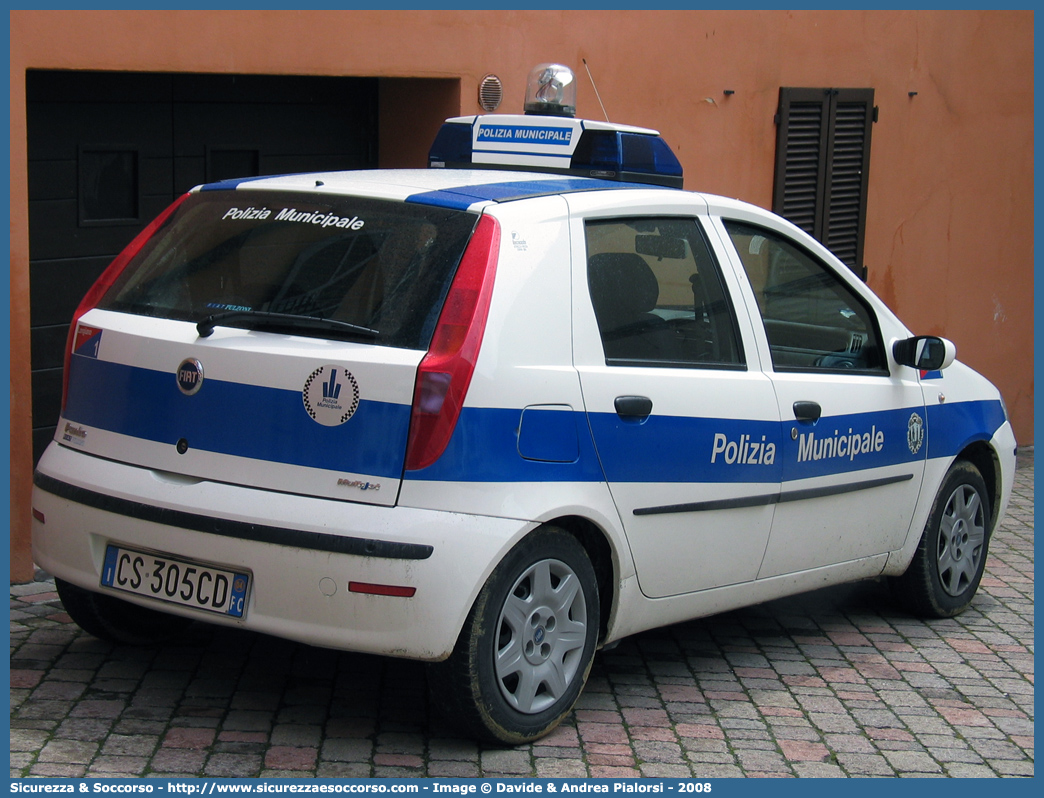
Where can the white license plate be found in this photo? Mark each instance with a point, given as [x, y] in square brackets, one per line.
[175, 580]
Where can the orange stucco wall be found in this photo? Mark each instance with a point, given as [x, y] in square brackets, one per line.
[949, 236]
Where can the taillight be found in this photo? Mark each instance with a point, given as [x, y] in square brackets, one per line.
[445, 372]
[104, 283]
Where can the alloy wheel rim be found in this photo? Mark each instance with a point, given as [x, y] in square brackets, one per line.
[961, 536]
[540, 636]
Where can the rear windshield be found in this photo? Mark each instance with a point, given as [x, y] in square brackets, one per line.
[381, 267]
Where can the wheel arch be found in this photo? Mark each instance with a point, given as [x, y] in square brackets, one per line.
[981, 455]
[600, 550]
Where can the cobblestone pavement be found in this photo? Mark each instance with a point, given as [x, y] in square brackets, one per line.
[833, 683]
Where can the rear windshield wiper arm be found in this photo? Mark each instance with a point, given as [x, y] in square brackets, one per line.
[284, 321]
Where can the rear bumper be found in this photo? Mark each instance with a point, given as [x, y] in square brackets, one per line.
[301, 552]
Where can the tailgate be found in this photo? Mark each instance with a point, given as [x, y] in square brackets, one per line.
[265, 338]
[273, 411]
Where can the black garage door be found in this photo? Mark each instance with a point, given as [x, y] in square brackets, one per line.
[109, 151]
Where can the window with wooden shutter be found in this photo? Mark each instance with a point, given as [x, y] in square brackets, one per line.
[822, 166]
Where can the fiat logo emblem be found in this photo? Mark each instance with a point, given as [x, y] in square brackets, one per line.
[190, 376]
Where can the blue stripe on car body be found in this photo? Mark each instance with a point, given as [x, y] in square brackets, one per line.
[233, 183]
[276, 429]
[485, 444]
[955, 425]
[463, 197]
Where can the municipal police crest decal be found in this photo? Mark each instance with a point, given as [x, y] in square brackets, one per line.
[331, 395]
[915, 433]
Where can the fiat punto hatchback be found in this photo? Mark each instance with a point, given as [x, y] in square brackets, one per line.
[495, 419]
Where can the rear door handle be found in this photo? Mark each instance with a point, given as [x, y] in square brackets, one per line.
[633, 407]
[807, 411]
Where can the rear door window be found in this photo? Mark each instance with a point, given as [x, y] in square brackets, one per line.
[658, 295]
[378, 270]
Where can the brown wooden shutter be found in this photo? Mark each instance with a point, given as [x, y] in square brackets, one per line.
[822, 166]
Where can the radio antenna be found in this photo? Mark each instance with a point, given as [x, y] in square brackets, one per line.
[599, 96]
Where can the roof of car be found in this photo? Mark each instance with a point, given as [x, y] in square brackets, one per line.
[452, 188]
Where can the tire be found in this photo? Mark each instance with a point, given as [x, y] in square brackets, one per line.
[946, 570]
[118, 621]
[526, 648]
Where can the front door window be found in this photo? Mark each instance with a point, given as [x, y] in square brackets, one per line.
[813, 321]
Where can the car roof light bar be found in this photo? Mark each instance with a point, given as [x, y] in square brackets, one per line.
[556, 144]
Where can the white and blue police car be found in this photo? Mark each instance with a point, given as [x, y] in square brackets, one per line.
[498, 413]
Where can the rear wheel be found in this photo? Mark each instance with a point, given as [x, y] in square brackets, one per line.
[116, 620]
[948, 566]
[526, 648]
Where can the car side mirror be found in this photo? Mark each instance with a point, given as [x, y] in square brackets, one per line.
[924, 352]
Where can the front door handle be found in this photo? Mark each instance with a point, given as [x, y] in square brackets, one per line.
[807, 411]
[633, 407]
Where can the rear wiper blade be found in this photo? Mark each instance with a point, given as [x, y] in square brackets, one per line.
[282, 321]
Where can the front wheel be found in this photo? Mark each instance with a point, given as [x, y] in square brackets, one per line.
[526, 648]
[946, 570]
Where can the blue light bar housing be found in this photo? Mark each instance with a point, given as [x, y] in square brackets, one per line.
[558, 145]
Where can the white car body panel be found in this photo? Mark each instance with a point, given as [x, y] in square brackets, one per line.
[242, 358]
[536, 443]
[287, 596]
